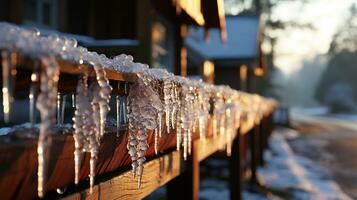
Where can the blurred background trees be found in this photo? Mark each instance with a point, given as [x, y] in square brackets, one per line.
[337, 87]
[327, 79]
[267, 85]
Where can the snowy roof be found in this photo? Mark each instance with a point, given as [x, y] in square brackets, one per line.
[88, 41]
[242, 40]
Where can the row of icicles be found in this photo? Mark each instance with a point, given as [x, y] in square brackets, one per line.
[156, 101]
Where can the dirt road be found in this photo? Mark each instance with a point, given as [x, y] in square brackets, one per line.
[331, 143]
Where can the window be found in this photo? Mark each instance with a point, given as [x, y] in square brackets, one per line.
[162, 38]
[41, 13]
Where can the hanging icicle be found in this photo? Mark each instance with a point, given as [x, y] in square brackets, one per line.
[8, 69]
[144, 104]
[46, 104]
[167, 87]
[80, 125]
[34, 90]
[118, 110]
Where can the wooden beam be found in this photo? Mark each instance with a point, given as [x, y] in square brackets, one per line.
[67, 67]
[208, 146]
[157, 173]
[246, 126]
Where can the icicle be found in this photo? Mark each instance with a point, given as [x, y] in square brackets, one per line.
[131, 146]
[73, 100]
[202, 125]
[61, 104]
[118, 111]
[214, 125]
[158, 131]
[82, 124]
[58, 109]
[178, 133]
[185, 143]
[159, 119]
[104, 95]
[34, 90]
[46, 104]
[63, 109]
[156, 140]
[100, 96]
[185, 134]
[167, 99]
[228, 132]
[141, 150]
[94, 138]
[189, 141]
[143, 106]
[8, 64]
[174, 99]
[125, 103]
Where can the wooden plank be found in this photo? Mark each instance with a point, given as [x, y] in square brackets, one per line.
[246, 126]
[157, 173]
[208, 146]
[74, 69]
[19, 168]
[68, 67]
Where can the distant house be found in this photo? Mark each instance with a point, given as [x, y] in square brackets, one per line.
[233, 62]
[151, 30]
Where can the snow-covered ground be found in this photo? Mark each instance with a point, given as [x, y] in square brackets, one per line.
[288, 171]
[284, 171]
[322, 112]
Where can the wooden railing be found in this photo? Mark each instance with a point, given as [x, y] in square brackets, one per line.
[18, 154]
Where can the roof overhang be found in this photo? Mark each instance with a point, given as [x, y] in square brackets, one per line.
[205, 13]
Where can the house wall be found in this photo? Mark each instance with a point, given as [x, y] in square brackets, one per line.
[108, 19]
[227, 75]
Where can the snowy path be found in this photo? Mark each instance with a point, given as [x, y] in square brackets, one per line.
[331, 142]
[284, 171]
[290, 172]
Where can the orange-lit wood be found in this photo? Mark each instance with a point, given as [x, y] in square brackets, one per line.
[157, 173]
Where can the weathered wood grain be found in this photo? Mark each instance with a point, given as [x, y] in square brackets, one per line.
[157, 172]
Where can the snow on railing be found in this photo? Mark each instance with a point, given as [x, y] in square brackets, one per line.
[156, 100]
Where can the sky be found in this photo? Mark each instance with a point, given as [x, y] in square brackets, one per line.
[296, 45]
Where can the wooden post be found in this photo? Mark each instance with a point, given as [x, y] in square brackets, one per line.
[254, 145]
[236, 168]
[187, 185]
[262, 139]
